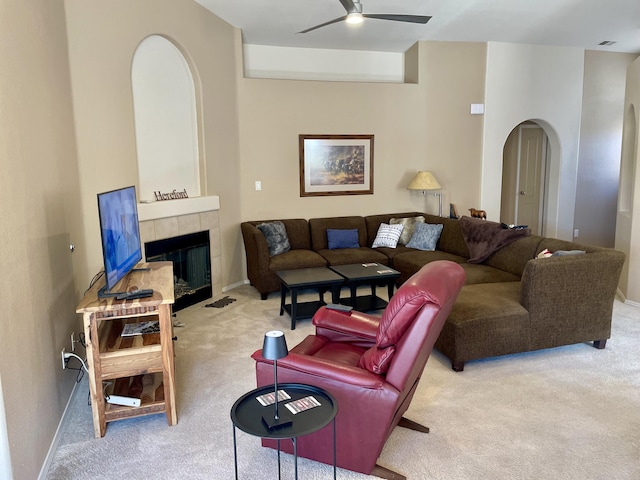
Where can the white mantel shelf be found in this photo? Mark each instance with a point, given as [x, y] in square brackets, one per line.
[175, 208]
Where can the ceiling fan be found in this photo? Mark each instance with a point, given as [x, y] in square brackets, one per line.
[355, 15]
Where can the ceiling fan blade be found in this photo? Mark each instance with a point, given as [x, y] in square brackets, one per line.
[349, 6]
[335, 20]
[398, 18]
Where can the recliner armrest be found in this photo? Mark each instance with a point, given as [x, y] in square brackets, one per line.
[346, 326]
[328, 369]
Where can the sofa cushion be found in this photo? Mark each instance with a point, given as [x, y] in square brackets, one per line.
[410, 261]
[480, 273]
[276, 235]
[294, 259]
[318, 230]
[486, 320]
[377, 360]
[345, 256]
[484, 238]
[513, 258]
[426, 236]
[388, 236]
[342, 238]
[409, 224]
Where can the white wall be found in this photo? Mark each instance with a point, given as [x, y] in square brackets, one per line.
[262, 61]
[544, 84]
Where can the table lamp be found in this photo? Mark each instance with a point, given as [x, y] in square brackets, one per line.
[426, 181]
[274, 348]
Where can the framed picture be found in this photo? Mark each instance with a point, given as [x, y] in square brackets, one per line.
[336, 165]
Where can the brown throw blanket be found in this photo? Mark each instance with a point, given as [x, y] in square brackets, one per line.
[484, 238]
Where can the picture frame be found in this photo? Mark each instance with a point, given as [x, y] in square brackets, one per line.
[336, 165]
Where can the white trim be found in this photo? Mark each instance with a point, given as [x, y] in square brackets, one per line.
[235, 285]
[56, 437]
[5, 452]
[175, 208]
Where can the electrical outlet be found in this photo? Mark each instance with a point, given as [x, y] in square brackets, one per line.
[64, 363]
[73, 341]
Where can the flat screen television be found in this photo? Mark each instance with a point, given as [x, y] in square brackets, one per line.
[120, 232]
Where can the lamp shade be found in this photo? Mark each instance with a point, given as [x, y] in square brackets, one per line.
[274, 346]
[424, 181]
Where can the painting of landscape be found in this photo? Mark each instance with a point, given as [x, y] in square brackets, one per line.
[336, 164]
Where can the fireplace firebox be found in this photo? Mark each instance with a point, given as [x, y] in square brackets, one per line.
[191, 266]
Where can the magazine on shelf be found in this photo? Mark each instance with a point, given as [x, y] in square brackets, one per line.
[269, 398]
[302, 404]
[141, 328]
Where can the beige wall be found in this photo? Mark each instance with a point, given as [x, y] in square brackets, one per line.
[424, 126]
[103, 37]
[39, 211]
[600, 145]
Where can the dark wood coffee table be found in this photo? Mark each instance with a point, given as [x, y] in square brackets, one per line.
[366, 274]
[307, 278]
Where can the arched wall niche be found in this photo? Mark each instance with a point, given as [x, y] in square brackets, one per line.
[166, 99]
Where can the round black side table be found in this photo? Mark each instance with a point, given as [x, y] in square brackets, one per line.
[247, 413]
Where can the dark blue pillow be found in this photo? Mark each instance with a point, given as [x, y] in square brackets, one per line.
[339, 238]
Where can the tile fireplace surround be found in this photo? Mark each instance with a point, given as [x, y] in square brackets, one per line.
[171, 218]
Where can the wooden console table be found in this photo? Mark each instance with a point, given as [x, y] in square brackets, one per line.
[115, 360]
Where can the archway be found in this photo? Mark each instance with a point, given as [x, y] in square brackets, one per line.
[524, 179]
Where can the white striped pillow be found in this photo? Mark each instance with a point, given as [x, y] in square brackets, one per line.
[388, 236]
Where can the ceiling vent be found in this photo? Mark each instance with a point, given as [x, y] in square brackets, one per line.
[607, 43]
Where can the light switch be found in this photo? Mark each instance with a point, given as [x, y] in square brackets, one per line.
[258, 185]
[477, 108]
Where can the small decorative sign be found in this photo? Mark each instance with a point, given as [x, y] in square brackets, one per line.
[171, 195]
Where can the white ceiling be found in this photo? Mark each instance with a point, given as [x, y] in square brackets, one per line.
[571, 23]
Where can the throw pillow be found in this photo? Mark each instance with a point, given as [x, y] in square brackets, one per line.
[376, 359]
[426, 236]
[276, 235]
[342, 238]
[409, 224]
[387, 236]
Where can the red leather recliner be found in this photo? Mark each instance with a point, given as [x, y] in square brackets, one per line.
[371, 365]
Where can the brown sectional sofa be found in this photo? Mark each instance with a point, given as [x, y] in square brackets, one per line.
[511, 302]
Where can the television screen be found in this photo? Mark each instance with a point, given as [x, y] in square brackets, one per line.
[118, 210]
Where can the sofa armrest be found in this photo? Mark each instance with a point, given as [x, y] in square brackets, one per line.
[257, 255]
[354, 326]
[326, 369]
[573, 295]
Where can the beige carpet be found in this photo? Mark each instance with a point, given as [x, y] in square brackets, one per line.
[566, 413]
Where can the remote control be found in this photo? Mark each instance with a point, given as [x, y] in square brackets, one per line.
[126, 401]
[340, 308]
[147, 292]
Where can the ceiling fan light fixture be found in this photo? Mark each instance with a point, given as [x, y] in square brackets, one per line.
[354, 18]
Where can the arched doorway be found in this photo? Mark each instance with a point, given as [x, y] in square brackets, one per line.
[524, 177]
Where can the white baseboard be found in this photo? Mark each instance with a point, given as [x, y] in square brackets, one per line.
[624, 300]
[235, 285]
[56, 437]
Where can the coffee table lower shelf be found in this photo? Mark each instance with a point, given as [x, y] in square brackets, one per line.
[365, 303]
